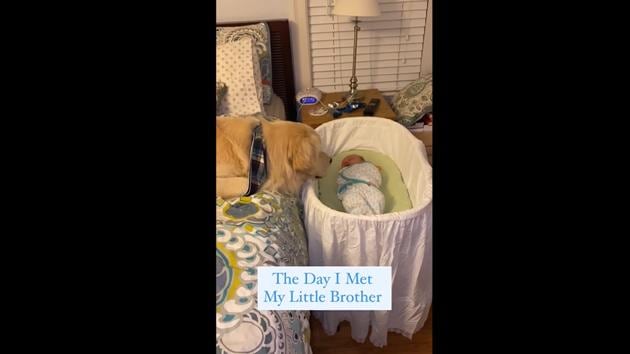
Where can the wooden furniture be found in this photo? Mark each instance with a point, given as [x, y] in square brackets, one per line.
[383, 110]
[426, 136]
[281, 62]
[342, 342]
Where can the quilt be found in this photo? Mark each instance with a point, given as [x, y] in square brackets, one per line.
[264, 229]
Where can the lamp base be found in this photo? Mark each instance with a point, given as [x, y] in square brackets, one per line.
[356, 97]
[347, 99]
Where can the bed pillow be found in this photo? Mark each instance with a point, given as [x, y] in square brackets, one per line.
[237, 66]
[259, 33]
[414, 100]
[220, 92]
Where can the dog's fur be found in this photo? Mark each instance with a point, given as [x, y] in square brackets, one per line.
[293, 155]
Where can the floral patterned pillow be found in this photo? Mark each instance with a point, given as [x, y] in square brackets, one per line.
[259, 33]
[220, 91]
[414, 100]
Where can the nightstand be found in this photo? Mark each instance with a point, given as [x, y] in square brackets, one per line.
[383, 110]
[426, 136]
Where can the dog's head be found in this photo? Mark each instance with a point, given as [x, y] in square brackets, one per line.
[305, 156]
[294, 154]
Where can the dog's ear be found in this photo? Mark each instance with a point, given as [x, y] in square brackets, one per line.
[303, 150]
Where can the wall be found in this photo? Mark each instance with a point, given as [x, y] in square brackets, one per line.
[245, 10]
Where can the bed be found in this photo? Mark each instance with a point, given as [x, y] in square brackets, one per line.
[264, 229]
[275, 108]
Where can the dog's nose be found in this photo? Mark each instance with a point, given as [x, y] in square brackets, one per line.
[330, 161]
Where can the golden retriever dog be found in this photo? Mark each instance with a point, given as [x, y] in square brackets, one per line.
[293, 155]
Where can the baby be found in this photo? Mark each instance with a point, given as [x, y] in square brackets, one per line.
[358, 186]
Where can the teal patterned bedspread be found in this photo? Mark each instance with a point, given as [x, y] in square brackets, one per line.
[262, 230]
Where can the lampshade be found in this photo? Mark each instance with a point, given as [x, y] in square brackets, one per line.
[361, 8]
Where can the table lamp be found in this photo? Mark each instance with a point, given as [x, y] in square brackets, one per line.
[356, 9]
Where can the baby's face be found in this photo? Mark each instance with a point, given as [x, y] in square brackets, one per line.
[351, 160]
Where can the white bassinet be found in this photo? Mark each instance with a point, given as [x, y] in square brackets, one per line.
[402, 240]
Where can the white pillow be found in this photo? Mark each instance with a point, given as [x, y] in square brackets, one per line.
[238, 67]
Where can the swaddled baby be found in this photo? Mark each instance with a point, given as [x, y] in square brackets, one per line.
[358, 184]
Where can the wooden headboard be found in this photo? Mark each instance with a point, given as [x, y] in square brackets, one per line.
[281, 62]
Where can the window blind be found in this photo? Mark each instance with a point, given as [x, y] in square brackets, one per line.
[389, 46]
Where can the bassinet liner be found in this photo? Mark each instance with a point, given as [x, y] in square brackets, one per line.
[402, 240]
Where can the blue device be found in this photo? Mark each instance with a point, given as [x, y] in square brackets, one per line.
[309, 96]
